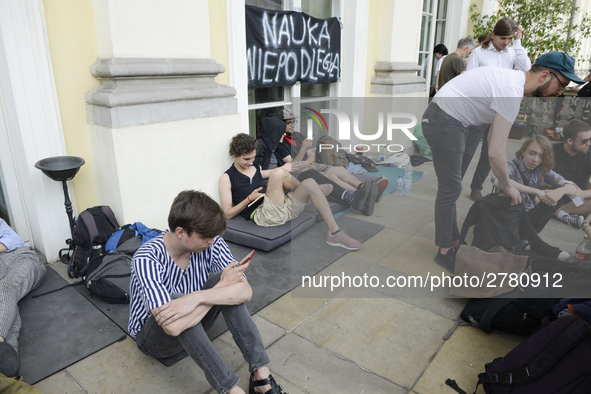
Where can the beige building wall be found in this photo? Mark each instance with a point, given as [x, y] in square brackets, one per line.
[73, 46]
[219, 37]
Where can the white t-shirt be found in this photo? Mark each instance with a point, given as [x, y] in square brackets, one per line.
[514, 57]
[476, 96]
[439, 64]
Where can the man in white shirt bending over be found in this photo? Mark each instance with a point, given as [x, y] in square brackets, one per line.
[488, 95]
[494, 52]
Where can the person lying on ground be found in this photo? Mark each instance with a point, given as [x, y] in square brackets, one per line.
[243, 192]
[572, 160]
[20, 272]
[181, 281]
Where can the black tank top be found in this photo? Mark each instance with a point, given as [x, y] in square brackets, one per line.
[242, 187]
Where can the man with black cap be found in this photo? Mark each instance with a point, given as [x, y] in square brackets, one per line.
[484, 95]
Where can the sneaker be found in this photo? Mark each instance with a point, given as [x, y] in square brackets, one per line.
[448, 260]
[342, 240]
[382, 185]
[9, 360]
[476, 195]
[326, 188]
[367, 209]
[361, 195]
[573, 219]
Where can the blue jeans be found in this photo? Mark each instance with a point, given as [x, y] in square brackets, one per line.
[153, 341]
[447, 138]
[475, 134]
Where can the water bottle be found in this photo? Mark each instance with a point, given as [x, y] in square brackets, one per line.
[583, 250]
[399, 185]
[407, 180]
[381, 154]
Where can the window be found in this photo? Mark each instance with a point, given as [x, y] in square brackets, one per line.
[432, 33]
[265, 102]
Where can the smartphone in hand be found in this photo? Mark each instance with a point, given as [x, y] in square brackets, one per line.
[246, 259]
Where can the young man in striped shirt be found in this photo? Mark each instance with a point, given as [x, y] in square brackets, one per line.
[181, 281]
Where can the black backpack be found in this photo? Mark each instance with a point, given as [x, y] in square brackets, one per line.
[108, 276]
[513, 315]
[91, 223]
[556, 359]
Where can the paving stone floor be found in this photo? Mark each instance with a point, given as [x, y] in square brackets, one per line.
[349, 340]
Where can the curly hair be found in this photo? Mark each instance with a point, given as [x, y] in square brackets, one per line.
[547, 151]
[242, 144]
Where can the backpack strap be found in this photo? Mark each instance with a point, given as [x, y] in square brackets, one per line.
[87, 218]
[61, 288]
[454, 385]
[110, 215]
[489, 315]
[561, 344]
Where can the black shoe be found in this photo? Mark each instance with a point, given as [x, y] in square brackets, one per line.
[447, 261]
[9, 361]
[275, 388]
[361, 195]
[367, 209]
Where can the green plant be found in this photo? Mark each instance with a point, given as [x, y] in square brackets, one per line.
[549, 25]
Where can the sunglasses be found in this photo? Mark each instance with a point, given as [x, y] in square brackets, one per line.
[291, 121]
[585, 141]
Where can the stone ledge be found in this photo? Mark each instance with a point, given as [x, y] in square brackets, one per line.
[136, 91]
[397, 78]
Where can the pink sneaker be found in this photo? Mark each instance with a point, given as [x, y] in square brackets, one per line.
[342, 240]
[382, 185]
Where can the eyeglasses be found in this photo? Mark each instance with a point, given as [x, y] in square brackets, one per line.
[291, 121]
[559, 81]
[585, 141]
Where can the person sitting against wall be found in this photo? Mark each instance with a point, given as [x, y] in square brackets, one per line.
[20, 272]
[272, 153]
[531, 167]
[295, 148]
[244, 192]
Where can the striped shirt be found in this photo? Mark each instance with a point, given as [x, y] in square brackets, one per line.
[155, 277]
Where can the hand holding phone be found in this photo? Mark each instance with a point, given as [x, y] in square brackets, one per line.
[246, 259]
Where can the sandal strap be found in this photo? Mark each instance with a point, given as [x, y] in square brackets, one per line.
[264, 382]
[275, 388]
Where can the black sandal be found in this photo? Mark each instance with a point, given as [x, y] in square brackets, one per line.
[275, 388]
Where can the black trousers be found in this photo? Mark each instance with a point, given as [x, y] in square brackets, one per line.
[541, 214]
[337, 191]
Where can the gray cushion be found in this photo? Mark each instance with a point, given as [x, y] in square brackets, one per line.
[245, 232]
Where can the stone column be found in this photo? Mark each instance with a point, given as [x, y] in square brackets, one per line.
[158, 123]
[398, 48]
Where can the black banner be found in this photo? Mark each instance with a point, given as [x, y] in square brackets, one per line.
[283, 47]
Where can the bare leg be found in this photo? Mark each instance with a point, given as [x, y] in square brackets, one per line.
[343, 178]
[309, 190]
[280, 180]
[583, 210]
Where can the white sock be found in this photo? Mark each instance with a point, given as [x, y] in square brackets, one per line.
[561, 214]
